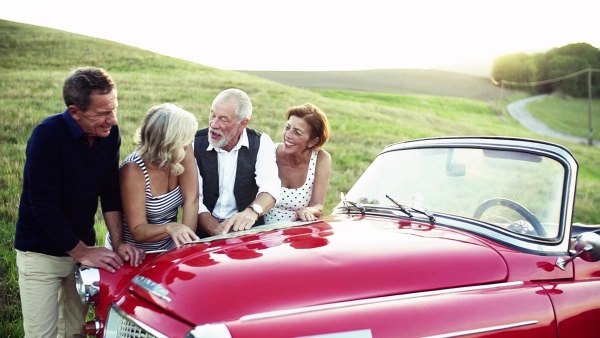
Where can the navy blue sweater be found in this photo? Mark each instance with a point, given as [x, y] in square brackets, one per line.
[63, 179]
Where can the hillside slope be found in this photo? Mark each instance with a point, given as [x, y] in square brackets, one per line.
[397, 81]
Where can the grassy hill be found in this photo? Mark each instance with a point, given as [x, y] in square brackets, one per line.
[437, 82]
[34, 62]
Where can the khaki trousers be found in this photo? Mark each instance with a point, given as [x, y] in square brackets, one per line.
[51, 306]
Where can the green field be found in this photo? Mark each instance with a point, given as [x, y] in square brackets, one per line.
[569, 115]
[34, 62]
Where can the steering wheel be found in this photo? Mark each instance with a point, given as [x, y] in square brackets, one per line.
[521, 210]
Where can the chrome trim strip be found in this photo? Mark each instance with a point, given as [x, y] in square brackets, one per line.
[217, 330]
[484, 329]
[279, 313]
[138, 323]
[152, 287]
[157, 251]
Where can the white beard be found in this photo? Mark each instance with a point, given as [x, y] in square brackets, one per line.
[217, 144]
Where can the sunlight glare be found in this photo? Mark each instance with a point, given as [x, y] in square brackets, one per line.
[323, 35]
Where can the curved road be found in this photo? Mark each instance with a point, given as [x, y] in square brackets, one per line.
[518, 111]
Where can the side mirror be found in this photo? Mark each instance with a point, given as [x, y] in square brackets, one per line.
[586, 246]
[585, 240]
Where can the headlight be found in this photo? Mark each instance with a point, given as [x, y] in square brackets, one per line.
[87, 281]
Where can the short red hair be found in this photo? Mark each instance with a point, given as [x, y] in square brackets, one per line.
[316, 119]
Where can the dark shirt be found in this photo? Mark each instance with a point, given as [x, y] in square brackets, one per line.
[62, 181]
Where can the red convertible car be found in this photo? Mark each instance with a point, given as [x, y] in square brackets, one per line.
[440, 237]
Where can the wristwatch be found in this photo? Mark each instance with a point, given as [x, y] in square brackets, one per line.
[257, 209]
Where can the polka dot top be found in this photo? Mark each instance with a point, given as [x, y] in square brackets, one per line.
[293, 199]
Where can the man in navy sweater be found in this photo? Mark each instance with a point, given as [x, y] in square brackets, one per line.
[71, 161]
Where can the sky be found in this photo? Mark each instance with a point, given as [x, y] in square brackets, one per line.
[322, 34]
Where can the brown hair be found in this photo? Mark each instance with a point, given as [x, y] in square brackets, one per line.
[316, 119]
[83, 82]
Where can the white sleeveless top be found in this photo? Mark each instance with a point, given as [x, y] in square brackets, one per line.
[294, 199]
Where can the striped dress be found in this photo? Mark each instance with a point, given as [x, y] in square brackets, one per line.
[159, 210]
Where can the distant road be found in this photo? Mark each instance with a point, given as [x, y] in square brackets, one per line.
[396, 81]
[417, 82]
[518, 111]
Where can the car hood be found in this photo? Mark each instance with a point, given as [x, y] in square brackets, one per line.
[346, 258]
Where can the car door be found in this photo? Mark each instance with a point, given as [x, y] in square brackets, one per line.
[577, 301]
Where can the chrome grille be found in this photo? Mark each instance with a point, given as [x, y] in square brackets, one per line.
[128, 329]
[119, 325]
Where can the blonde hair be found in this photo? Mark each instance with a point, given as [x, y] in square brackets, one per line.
[164, 132]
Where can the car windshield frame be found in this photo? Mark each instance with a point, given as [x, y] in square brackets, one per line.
[528, 186]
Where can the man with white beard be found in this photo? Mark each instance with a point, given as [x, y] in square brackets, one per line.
[239, 179]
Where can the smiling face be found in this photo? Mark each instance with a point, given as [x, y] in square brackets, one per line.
[224, 128]
[297, 135]
[100, 116]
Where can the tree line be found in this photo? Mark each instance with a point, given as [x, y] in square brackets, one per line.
[524, 71]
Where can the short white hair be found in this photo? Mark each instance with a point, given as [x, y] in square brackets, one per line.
[243, 105]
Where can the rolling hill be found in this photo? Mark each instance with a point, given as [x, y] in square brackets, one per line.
[437, 82]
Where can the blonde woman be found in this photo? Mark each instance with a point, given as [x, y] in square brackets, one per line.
[159, 177]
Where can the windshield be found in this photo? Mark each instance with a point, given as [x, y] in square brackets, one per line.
[509, 189]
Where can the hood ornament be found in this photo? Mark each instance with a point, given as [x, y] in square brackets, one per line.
[152, 287]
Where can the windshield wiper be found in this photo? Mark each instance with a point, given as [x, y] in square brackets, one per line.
[357, 206]
[402, 208]
[427, 213]
[352, 205]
